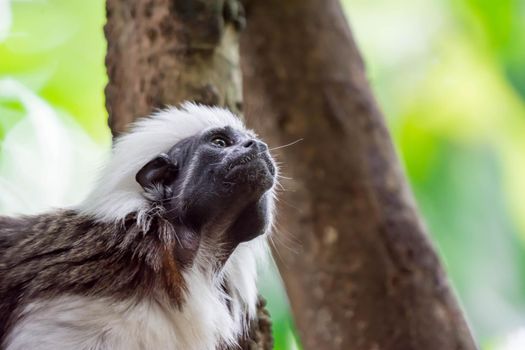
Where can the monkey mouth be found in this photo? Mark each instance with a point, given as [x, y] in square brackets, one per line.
[253, 168]
[245, 160]
[241, 161]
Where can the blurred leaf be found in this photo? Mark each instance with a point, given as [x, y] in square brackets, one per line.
[5, 19]
[47, 160]
[463, 203]
[57, 48]
[500, 25]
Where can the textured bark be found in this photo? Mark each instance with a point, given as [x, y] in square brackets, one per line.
[364, 274]
[166, 51]
[163, 52]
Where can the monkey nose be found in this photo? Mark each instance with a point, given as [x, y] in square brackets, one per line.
[255, 144]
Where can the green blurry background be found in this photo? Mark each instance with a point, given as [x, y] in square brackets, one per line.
[450, 76]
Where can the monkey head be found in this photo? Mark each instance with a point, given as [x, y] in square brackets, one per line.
[215, 186]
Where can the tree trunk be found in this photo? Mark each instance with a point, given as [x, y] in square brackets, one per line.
[163, 52]
[365, 275]
[167, 51]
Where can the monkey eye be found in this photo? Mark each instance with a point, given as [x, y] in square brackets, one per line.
[220, 141]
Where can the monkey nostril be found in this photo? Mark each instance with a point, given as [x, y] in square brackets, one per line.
[249, 144]
[256, 144]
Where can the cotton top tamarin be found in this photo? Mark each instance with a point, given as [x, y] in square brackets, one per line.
[161, 255]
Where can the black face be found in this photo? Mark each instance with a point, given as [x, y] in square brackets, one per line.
[215, 184]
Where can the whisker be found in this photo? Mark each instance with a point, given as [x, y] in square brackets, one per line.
[278, 147]
[294, 207]
[287, 145]
[277, 255]
[286, 240]
[280, 185]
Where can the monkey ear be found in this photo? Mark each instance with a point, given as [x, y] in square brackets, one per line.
[158, 171]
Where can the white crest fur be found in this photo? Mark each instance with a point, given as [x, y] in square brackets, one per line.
[117, 193]
[204, 321]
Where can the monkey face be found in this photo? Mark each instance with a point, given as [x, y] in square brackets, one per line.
[217, 183]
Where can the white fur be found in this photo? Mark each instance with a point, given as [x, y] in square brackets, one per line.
[117, 193]
[204, 321]
[153, 323]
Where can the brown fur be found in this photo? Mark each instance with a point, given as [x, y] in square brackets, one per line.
[63, 252]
